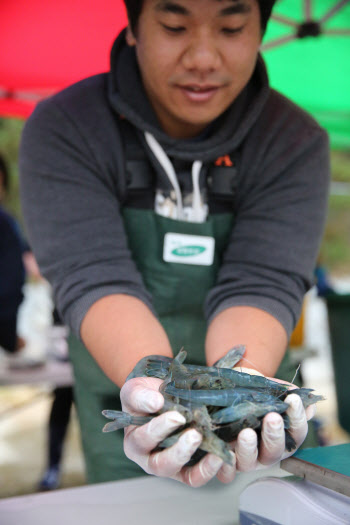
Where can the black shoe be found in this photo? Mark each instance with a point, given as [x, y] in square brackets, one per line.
[50, 480]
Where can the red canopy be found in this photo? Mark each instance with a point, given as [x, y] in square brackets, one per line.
[49, 44]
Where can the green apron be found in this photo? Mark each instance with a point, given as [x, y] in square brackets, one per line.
[178, 292]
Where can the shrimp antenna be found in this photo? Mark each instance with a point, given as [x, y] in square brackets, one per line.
[250, 362]
[296, 373]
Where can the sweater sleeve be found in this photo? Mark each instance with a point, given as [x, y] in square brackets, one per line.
[72, 213]
[281, 211]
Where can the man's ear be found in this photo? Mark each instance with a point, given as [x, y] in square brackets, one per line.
[130, 38]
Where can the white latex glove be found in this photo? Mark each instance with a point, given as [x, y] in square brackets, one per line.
[140, 396]
[272, 448]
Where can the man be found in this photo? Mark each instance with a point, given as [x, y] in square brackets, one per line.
[177, 201]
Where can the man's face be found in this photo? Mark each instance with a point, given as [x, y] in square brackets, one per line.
[195, 57]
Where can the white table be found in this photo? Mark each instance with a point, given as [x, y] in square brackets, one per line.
[156, 501]
[146, 501]
[53, 372]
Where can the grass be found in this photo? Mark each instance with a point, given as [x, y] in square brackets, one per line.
[340, 165]
[335, 248]
[10, 133]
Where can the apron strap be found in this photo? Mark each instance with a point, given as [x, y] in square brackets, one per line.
[141, 176]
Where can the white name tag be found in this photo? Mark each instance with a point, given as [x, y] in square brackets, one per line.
[188, 249]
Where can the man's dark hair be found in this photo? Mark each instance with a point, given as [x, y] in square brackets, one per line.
[4, 174]
[265, 11]
[134, 8]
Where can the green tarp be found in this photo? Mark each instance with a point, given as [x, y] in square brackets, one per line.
[314, 71]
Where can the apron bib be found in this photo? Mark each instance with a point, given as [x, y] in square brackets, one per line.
[179, 288]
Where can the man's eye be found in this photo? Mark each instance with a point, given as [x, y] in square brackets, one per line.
[232, 30]
[174, 29]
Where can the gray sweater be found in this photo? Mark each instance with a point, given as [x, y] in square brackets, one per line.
[72, 181]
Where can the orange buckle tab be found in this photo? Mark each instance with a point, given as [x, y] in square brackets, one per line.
[224, 161]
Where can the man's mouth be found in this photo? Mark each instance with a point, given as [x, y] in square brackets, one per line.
[198, 92]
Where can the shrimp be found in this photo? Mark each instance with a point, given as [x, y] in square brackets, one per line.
[210, 441]
[184, 375]
[217, 401]
[122, 420]
[247, 408]
[232, 357]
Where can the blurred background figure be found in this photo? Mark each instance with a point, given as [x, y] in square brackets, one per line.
[24, 308]
[11, 283]
[12, 272]
[323, 281]
[57, 430]
[60, 409]
[16, 263]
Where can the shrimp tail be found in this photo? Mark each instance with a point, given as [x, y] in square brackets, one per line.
[122, 420]
[112, 425]
[151, 366]
[306, 395]
[232, 357]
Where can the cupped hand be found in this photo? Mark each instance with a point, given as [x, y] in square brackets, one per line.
[272, 446]
[140, 396]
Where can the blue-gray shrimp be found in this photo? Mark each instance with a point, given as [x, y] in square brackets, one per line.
[307, 397]
[247, 408]
[183, 375]
[217, 401]
[221, 398]
[245, 380]
[214, 445]
[122, 420]
[210, 441]
[206, 382]
[229, 431]
[232, 357]
[183, 410]
[204, 397]
[160, 363]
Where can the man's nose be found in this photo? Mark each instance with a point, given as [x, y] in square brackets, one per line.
[202, 54]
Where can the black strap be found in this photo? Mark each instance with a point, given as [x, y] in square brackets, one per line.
[141, 177]
[222, 181]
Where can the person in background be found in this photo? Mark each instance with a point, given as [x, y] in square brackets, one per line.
[11, 282]
[58, 422]
[323, 282]
[18, 264]
[12, 272]
[17, 261]
[176, 201]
